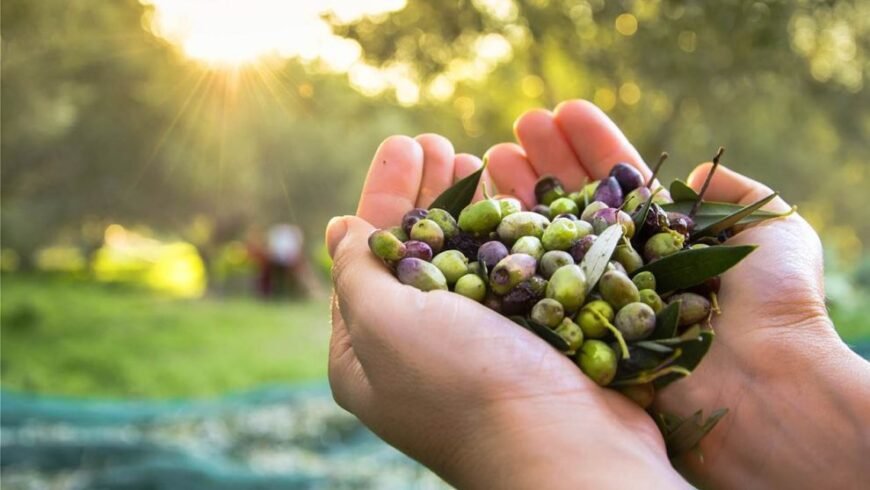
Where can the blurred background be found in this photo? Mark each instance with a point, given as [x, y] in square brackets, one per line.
[168, 167]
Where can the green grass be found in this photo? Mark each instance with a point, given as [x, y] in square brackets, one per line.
[852, 324]
[72, 337]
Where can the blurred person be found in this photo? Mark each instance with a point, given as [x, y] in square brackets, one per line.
[283, 268]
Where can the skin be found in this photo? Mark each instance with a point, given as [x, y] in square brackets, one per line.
[480, 405]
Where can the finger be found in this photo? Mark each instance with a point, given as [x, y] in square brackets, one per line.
[335, 231]
[437, 167]
[393, 182]
[347, 379]
[596, 140]
[730, 186]
[512, 173]
[465, 165]
[358, 275]
[548, 149]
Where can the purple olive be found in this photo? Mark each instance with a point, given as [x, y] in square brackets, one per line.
[418, 249]
[611, 216]
[579, 249]
[519, 300]
[656, 221]
[681, 223]
[420, 274]
[491, 253]
[465, 243]
[493, 302]
[628, 177]
[412, 217]
[609, 192]
[510, 271]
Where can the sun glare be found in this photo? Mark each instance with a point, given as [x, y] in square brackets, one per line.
[231, 33]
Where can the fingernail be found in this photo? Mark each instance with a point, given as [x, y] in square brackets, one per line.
[336, 229]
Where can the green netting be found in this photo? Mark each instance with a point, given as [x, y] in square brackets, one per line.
[276, 437]
[272, 438]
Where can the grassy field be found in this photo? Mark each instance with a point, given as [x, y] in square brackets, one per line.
[62, 336]
[80, 338]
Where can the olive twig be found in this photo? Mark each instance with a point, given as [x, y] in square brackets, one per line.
[707, 182]
[662, 158]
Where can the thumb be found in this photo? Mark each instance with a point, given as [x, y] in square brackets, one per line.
[336, 229]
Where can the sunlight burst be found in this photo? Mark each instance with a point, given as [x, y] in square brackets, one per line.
[230, 33]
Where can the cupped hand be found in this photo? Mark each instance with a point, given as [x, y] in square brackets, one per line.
[455, 385]
[796, 393]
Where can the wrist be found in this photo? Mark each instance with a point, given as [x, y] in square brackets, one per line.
[563, 443]
[801, 420]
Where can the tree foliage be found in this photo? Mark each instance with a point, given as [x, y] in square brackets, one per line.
[110, 123]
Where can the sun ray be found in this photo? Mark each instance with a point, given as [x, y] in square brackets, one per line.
[165, 135]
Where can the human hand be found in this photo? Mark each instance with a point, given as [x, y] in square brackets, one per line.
[460, 388]
[799, 398]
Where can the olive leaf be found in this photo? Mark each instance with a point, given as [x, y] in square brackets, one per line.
[723, 224]
[666, 322]
[691, 267]
[543, 332]
[691, 334]
[681, 192]
[684, 434]
[664, 367]
[654, 347]
[693, 352]
[595, 261]
[710, 212]
[456, 197]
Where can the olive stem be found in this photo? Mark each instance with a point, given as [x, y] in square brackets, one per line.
[707, 182]
[662, 158]
[714, 300]
[623, 347]
[485, 190]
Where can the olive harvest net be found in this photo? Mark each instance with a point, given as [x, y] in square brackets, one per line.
[270, 438]
[280, 437]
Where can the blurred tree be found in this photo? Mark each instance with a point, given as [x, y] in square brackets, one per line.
[781, 84]
[112, 124]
